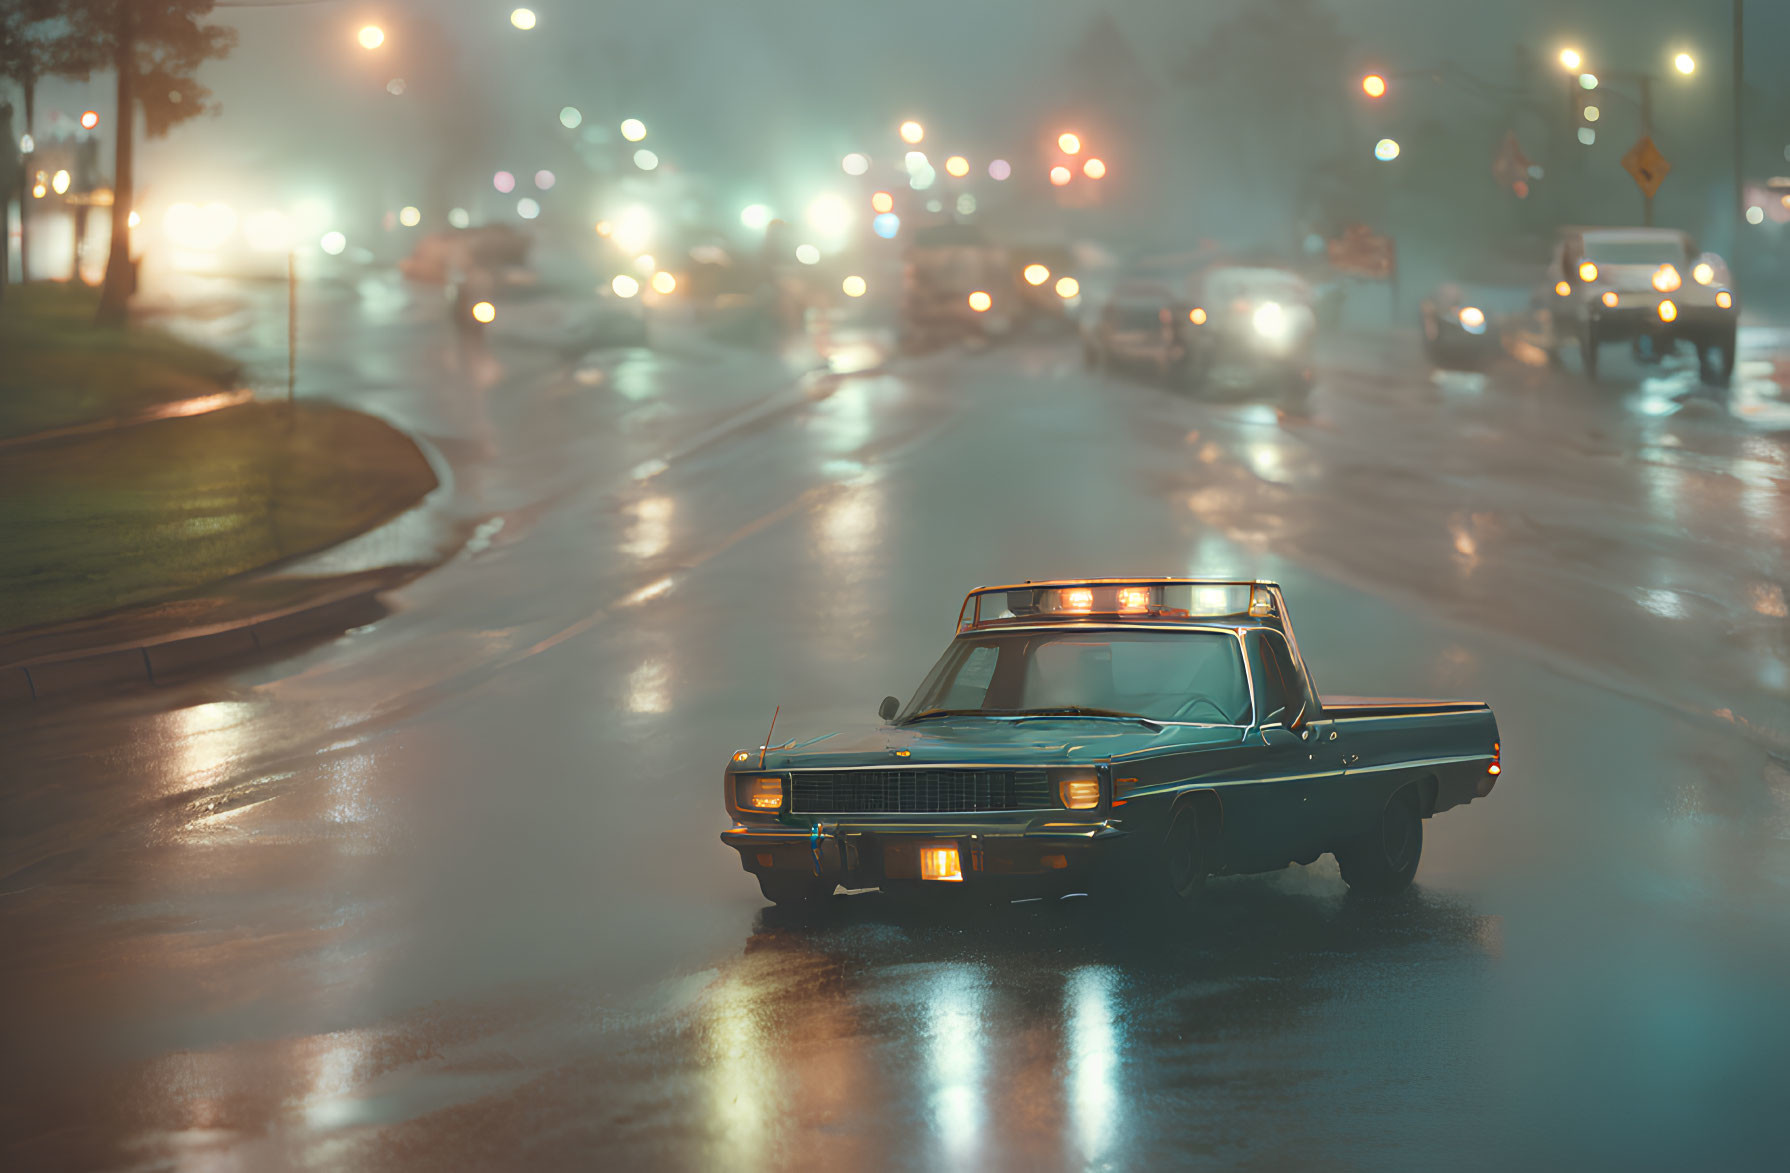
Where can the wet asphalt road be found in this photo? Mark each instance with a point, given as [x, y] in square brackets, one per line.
[446, 892]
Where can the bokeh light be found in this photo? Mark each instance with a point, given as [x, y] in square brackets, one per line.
[958, 166]
[1059, 175]
[571, 117]
[60, 181]
[830, 215]
[646, 263]
[371, 37]
[882, 201]
[484, 313]
[633, 129]
[1755, 215]
[411, 216]
[755, 216]
[1684, 63]
[1094, 169]
[1373, 85]
[966, 204]
[89, 119]
[912, 132]
[980, 301]
[1036, 274]
[645, 159]
[1067, 287]
[333, 243]
[504, 182]
[854, 286]
[634, 229]
[1068, 143]
[807, 254]
[527, 208]
[1386, 150]
[663, 282]
[999, 169]
[855, 164]
[523, 18]
[624, 285]
[459, 218]
[545, 180]
[886, 225]
[1570, 58]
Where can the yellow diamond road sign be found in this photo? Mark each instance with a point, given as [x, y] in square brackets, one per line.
[1647, 165]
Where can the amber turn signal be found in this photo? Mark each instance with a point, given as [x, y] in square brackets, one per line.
[1079, 792]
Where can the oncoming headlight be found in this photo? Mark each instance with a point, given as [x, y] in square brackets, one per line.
[1270, 320]
[759, 794]
[1704, 273]
[1079, 792]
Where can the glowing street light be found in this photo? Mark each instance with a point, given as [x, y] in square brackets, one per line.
[523, 19]
[1068, 143]
[1570, 59]
[371, 37]
[912, 132]
[1684, 63]
[1373, 85]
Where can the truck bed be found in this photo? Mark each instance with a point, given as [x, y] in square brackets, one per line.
[1341, 708]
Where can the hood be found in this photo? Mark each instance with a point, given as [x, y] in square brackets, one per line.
[1041, 741]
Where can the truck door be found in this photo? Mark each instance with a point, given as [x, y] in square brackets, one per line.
[1317, 757]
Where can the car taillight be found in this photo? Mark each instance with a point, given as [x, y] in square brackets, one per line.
[1492, 770]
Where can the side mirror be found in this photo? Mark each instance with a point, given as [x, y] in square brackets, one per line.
[888, 708]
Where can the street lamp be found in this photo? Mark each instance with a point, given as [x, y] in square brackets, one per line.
[523, 19]
[912, 132]
[1373, 85]
[1570, 59]
[371, 37]
[1685, 64]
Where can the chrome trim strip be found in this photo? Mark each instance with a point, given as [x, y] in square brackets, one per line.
[1483, 708]
[1195, 784]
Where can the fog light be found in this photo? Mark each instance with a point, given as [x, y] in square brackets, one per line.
[1724, 299]
[939, 861]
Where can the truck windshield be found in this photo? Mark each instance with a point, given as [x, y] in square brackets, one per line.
[1665, 251]
[1189, 676]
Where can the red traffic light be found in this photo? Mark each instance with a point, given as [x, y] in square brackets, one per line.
[1373, 85]
[89, 119]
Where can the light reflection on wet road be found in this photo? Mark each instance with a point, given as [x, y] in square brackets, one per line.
[446, 892]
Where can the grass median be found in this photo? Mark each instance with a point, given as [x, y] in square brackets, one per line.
[58, 369]
[162, 509]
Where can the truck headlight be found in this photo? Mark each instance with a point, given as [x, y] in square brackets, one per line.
[1666, 279]
[1704, 273]
[1079, 792]
[1270, 320]
[759, 794]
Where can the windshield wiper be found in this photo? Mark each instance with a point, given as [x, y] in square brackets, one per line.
[1084, 711]
[945, 713]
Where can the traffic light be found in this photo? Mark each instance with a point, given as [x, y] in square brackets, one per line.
[1585, 107]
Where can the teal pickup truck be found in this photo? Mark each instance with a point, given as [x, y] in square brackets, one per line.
[1113, 734]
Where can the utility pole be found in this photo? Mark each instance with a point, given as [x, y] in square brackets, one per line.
[1739, 138]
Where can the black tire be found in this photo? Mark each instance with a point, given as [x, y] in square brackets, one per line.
[1588, 344]
[1718, 372]
[785, 889]
[1178, 878]
[1383, 861]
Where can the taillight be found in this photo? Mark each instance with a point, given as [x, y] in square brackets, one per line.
[1492, 770]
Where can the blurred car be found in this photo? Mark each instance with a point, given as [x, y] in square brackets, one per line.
[1458, 333]
[1133, 326]
[1650, 287]
[438, 256]
[955, 286]
[1249, 322]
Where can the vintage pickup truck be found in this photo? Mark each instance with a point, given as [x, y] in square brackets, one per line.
[1131, 735]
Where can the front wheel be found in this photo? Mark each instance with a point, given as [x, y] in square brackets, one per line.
[786, 890]
[1178, 878]
[1383, 861]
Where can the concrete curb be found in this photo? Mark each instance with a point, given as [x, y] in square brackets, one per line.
[175, 654]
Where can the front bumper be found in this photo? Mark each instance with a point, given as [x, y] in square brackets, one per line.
[1704, 324]
[1042, 854]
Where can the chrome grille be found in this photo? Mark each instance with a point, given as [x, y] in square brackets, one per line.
[917, 790]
